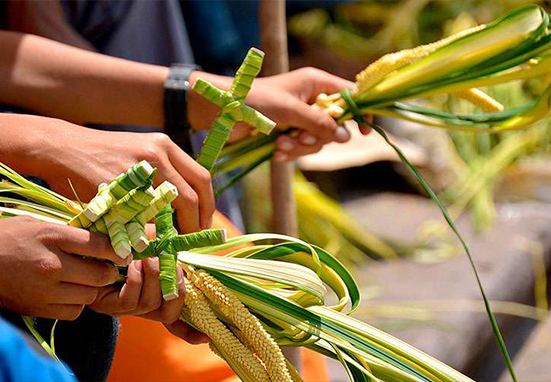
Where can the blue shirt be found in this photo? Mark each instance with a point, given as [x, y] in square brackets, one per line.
[19, 362]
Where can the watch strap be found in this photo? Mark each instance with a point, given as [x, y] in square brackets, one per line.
[176, 86]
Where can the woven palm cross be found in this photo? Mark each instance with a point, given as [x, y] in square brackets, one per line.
[233, 107]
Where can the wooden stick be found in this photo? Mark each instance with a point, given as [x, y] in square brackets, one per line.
[273, 40]
[273, 37]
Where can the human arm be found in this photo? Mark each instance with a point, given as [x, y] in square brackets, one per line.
[57, 151]
[56, 80]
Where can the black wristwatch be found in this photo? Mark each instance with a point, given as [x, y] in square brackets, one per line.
[177, 126]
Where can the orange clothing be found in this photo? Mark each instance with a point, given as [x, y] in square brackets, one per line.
[147, 352]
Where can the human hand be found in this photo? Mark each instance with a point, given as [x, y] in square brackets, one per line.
[287, 100]
[141, 296]
[89, 157]
[40, 275]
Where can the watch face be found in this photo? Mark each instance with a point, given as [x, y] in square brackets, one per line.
[177, 84]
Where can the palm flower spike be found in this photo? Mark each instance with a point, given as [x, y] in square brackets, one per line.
[515, 47]
[255, 298]
[238, 298]
[233, 107]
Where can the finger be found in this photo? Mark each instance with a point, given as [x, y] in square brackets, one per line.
[129, 296]
[288, 144]
[307, 139]
[150, 298]
[240, 131]
[187, 333]
[187, 202]
[150, 231]
[315, 122]
[198, 178]
[365, 130]
[77, 270]
[342, 134]
[84, 243]
[116, 301]
[72, 294]
[170, 310]
[103, 294]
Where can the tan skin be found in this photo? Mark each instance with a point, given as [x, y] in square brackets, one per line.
[80, 86]
[49, 277]
[46, 266]
[72, 84]
[89, 157]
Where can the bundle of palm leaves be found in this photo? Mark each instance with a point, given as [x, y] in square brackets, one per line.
[256, 297]
[514, 47]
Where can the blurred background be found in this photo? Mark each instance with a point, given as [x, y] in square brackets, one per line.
[357, 200]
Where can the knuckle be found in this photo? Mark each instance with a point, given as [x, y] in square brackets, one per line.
[49, 265]
[152, 152]
[161, 139]
[190, 198]
[47, 233]
[310, 71]
[152, 155]
[204, 176]
[29, 220]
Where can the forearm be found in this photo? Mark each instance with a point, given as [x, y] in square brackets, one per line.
[56, 80]
[31, 145]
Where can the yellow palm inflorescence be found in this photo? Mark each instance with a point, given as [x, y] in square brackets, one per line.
[478, 98]
[394, 61]
[250, 345]
[205, 320]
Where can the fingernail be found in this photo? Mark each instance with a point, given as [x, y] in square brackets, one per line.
[285, 145]
[365, 129]
[341, 134]
[280, 157]
[309, 140]
[128, 260]
[138, 265]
